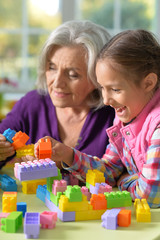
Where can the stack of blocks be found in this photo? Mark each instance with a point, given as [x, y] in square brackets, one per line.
[72, 202]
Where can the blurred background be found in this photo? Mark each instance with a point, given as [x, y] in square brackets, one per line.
[26, 24]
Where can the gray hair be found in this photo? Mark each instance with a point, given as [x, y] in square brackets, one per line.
[85, 33]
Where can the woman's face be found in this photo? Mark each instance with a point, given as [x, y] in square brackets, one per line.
[66, 74]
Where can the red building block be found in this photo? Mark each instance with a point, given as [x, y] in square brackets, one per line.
[45, 148]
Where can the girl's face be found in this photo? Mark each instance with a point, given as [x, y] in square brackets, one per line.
[123, 95]
[67, 79]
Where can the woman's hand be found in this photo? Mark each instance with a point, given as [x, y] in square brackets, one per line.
[60, 152]
[6, 149]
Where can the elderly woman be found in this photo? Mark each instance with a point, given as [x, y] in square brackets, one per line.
[67, 104]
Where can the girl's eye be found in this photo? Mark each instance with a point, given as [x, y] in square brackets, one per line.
[115, 90]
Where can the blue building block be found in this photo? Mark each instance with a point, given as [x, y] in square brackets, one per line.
[9, 134]
[22, 207]
[8, 184]
[41, 192]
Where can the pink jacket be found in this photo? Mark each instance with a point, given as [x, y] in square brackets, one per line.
[138, 133]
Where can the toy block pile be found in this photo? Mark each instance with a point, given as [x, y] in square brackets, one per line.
[11, 217]
[116, 217]
[18, 141]
[73, 203]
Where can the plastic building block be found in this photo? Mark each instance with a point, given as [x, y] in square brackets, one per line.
[109, 219]
[73, 193]
[30, 187]
[98, 202]
[66, 206]
[9, 134]
[55, 198]
[11, 223]
[94, 176]
[118, 199]
[51, 179]
[48, 219]
[8, 184]
[63, 216]
[22, 207]
[86, 192]
[19, 140]
[88, 215]
[32, 224]
[35, 170]
[26, 150]
[3, 215]
[59, 186]
[143, 213]
[45, 148]
[124, 218]
[9, 201]
[100, 188]
[41, 192]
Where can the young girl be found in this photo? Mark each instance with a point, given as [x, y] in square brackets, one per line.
[128, 71]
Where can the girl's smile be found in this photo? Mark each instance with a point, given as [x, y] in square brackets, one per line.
[122, 94]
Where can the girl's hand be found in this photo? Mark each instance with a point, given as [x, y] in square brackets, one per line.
[60, 152]
[6, 149]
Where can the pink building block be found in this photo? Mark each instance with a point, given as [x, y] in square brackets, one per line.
[3, 215]
[48, 219]
[86, 192]
[59, 186]
[104, 187]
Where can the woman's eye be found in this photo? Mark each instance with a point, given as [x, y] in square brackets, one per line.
[73, 75]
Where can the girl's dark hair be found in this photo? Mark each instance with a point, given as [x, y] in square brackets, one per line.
[134, 53]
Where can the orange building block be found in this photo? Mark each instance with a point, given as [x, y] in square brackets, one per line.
[19, 140]
[98, 201]
[124, 218]
[45, 148]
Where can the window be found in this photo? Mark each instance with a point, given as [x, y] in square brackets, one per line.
[118, 15]
[26, 24]
[24, 27]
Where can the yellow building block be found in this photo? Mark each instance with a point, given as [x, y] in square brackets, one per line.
[66, 206]
[9, 202]
[30, 187]
[143, 213]
[89, 215]
[94, 176]
[26, 150]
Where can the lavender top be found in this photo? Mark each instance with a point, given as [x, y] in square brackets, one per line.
[35, 115]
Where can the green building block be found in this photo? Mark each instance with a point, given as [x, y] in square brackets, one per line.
[73, 193]
[88, 185]
[12, 222]
[51, 179]
[55, 198]
[118, 199]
